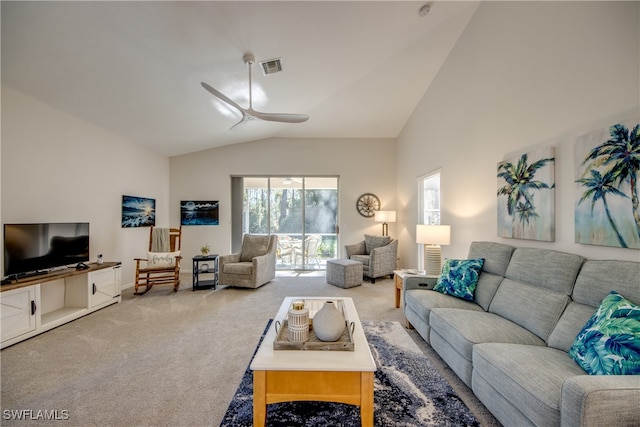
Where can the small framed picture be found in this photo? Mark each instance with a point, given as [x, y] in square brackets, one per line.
[138, 212]
[199, 212]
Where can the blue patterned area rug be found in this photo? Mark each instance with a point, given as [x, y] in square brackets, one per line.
[408, 391]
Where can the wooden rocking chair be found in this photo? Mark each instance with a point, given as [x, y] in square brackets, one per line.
[162, 266]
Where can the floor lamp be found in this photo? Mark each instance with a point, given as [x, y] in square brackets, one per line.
[384, 217]
[432, 236]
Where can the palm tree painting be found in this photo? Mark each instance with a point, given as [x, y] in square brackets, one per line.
[607, 210]
[526, 187]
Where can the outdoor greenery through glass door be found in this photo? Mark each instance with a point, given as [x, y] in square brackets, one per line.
[301, 211]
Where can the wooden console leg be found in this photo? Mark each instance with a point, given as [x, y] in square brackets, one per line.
[259, 398]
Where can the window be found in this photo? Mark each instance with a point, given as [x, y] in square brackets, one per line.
[429, 199]
[301, 211]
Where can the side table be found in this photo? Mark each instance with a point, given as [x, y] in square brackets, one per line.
[200, 266]
[401, 275]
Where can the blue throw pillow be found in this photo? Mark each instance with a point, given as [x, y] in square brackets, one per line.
[609, 343]
[459, 277]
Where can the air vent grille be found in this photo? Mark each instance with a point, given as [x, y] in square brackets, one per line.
[271, 66]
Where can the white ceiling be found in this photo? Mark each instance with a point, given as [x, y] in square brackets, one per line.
[358, 69]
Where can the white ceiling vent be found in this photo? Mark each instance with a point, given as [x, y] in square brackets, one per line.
[271, 66]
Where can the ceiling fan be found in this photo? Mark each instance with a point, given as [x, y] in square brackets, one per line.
[249, 114]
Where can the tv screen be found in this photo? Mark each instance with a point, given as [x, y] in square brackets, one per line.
[31, 248]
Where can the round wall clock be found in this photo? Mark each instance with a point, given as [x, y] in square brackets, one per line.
[367, 204]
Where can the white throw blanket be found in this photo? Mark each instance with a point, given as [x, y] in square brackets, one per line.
[160, 240]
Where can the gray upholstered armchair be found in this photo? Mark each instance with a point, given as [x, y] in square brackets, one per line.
[378, 255]
[253, 266]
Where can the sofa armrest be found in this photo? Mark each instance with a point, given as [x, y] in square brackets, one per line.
[355, 249]
[600, 400]
[419, 282]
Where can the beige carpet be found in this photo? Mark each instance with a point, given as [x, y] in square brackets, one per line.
[165, 358]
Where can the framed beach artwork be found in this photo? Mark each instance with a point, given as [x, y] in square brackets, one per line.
[526, 196]
[138, 212]
[199, 212]
[607, 211]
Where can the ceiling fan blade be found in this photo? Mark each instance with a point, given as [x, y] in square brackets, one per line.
[222, 96]
[249, 114]
[279, 117]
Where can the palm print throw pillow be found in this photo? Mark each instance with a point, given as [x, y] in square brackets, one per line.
[459, 278]
[609, 343]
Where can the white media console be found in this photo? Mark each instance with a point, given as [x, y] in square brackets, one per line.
[40, 303]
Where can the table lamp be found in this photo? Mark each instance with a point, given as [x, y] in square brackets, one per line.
[384, 217]
[432, 236]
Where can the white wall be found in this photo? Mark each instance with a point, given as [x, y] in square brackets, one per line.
[363, 165]
[521, 74]
[58, 168]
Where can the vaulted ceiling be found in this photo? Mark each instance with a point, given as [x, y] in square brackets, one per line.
[357, 68]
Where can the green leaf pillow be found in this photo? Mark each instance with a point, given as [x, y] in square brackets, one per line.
[459, 277]
[609, 343]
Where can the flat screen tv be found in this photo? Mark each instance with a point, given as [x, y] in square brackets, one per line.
[38, 248]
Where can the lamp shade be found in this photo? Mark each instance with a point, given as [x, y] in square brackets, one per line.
[433, 234]
[385, 216]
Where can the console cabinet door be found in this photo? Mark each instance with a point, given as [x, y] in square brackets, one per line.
[18, 312]
[104, 286]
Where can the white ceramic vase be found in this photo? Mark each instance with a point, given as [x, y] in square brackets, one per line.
[329, 323]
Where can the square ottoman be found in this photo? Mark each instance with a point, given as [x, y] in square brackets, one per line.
[344, 273]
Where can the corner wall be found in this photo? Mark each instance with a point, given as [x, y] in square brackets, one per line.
[522, 74]
[59, 168]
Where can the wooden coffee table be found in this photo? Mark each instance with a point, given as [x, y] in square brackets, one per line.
[329, 376]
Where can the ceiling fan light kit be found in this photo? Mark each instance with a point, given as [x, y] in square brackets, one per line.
[249, 114]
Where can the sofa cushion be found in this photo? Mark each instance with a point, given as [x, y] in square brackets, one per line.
[529, 306]
[372, 242]
[547, 269]
[536, 288]
[423, 301]
[459, 277]
[454, 332]
[569, 325]
[599, 277]
[496, 260]
[486, 289]
[496, 256]
[594, 282]
[465, 328]
[609, 343]
[530, 376]
[253, 246]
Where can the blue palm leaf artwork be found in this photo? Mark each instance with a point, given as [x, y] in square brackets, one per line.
[607, 210]
[526, 199]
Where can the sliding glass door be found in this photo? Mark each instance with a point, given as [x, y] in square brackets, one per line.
[302, 211]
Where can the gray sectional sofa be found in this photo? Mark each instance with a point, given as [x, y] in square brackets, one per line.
[510, 344]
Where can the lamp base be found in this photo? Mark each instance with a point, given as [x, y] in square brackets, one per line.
[432, 260]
